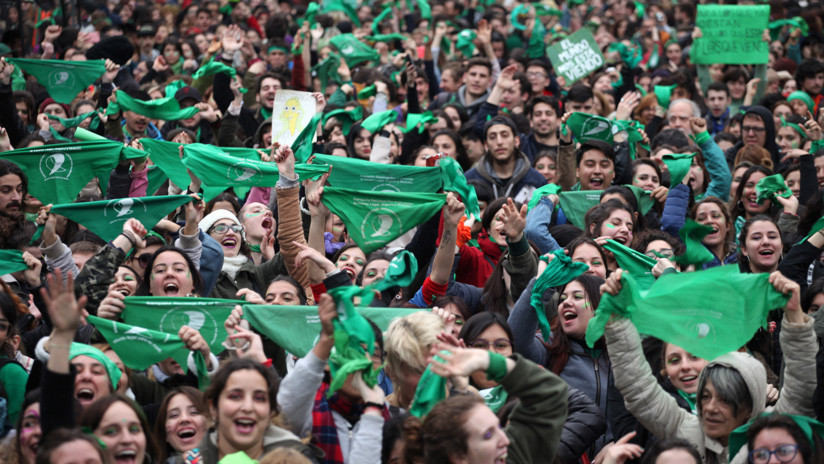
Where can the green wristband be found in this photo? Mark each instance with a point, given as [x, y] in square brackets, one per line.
[497, 367]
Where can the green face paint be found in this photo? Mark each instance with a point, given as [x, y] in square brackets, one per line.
[586, 304]
[610, 226]
[249, 215]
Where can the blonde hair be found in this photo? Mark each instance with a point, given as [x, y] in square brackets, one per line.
[408, 341]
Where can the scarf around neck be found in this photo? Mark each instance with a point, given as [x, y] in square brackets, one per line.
[231, 266]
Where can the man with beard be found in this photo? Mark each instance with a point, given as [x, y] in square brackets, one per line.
[13, 187]
[504, 167]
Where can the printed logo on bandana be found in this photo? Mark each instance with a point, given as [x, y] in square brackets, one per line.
[595, 128]
[385, 188]
[701, 331]
[61, 78]
[56, 166]
[348, 50]
[123, 209]
[379, 223]
[174, 319]
[242, 172]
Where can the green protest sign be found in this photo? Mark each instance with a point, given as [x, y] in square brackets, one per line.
[296, 328]
[731, 34]
[169, 314]
[576, 56]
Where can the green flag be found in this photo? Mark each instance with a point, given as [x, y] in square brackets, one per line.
[771, 186]
[165, 109]
[560, 271]
[418, 121]
[374, 219]
[296, 328]
[376, 121]
[576, 204]
[692, 234]
[58, 172]
[328, 69]
[678, 165]
[346, 118]
[218, 168]
[426, 10]
[634, 262]
[353, 50]
[708, 313]
[358, 174]
[169, 314]
[106, 218]
[166, 155]
[11, 261]
[548, 189]
[430, 391]
[62, 79]
[214, 67]
[589, 127]
[138, 347]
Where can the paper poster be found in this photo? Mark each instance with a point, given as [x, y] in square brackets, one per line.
[291, 112]
[731, 34]
[576, 56]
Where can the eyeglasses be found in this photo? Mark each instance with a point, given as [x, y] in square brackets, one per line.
[143, 260]
[784, 453]
[754, 129]
[535, 74]
[223, 228]
[500, 344]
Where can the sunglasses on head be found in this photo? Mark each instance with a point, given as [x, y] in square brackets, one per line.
[143, 259]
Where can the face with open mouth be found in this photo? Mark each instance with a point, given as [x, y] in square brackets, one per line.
[595, 170]
[122, 432]
[682, 368]
[30, 433]
[351, 260]
[575, 310]
[171, 275]
[92, 380]
[185, 423]
[618, 227]
[710, 214]
[749, 195]
[230, 240]
[717, 415]
[243, 413]
[256, 219]
[125, 281]
[487, 443]
[762, 246]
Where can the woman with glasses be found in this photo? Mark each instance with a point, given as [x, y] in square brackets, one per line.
[779, 437]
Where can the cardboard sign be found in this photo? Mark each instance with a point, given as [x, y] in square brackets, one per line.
[576, 56]
[731, 34]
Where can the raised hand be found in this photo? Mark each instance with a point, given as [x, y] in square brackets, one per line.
[284, 157]
[453, 211]
[194, 342]
[112, 69]
[232, 39]
[792, 310]
[514, 220]
[308, 253]
[627, 105]
[64, 309]
[314, 192]
[698, 125]
[6, 69]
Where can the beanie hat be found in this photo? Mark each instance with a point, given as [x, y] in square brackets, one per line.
[207, 222]
[801, 95]
[50, 101]
[116, 48]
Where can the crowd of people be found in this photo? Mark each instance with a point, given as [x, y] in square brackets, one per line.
[504, 320]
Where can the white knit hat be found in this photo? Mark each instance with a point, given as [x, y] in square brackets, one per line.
[216, 215]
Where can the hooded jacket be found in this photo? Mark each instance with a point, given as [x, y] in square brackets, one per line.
[524, 181]
[769, 141]
[659, 412]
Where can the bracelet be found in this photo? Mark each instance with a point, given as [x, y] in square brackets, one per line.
[372, 404]
[497, 367]
[134, 245]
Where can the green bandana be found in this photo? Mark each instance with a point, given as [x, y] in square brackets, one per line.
[374, 219]
[18, 81]
[770, 187]
[106, 218]
[353, 339]
[808, 425]
[368, 91]
[631, 56]
[345, 6]
[548, 189]
[58, 172]
[376, 121]
[536, 48]
[633, 130]
[678, 165]
[302, 146]
[346, 118]
[166, 155]
[426, 10]
[794, 126]
[11, 261]
[214, 67]
[385, 37]
[68, 123]
[709, 313]
[495, 397]
[803, 96]
[169, 314]
[387, 10]
[819, 224]
[689, 398]
[430, 391]
[62, 79]
[645, 201]
[328, 69]
[139, 348]
[634, 262]
[81, 349]
[560, 271]
[664, 93]
[588, 127]
[237, 168]
[775, 28]
[164, 109]
[353, 50]
[464, 43]
[454, 181]
[576, 204]
[296, 328]
[358, 174]
[418, 120]
[692, 234]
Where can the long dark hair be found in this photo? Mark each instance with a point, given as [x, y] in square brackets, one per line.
[221, 378]
[197, 280]
[809, 451]
[559, 344]
[195, 396]
[736, 204]
[743, 261]
[460, 152]
[476, 324]
[92, 415]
